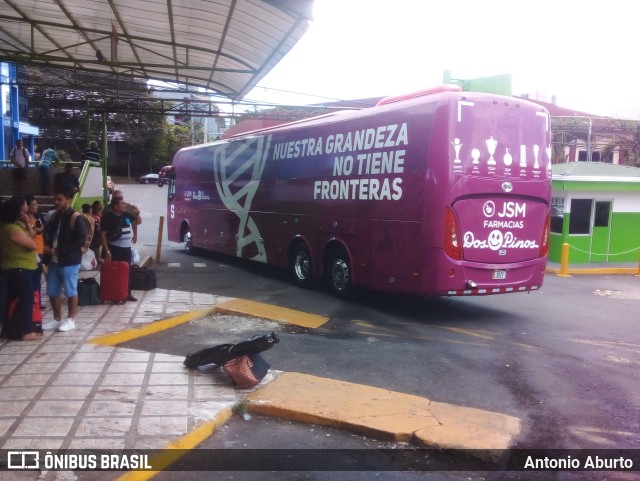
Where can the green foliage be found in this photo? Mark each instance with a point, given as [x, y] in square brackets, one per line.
[63, 157]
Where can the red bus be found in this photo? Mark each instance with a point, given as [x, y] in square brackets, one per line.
[437, 193]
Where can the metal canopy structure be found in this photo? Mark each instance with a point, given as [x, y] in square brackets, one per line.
[225, 46]
[603, 135]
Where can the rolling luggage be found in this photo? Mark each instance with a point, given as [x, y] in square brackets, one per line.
[114, 282]
[8, 330]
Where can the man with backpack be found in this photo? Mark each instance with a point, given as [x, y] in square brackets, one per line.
[20, 158]
[67, 234]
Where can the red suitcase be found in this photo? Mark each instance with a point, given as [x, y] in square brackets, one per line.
[114, 282]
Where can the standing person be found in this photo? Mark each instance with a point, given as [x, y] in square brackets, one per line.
[67, 232]
[38, 226]
[49, 156]
[131, 209]
[66, 181]
[96, 213]
[20, 158]
[118, 231]
[92, 153]
[18, 262]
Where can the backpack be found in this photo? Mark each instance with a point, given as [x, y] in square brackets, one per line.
[90, 222]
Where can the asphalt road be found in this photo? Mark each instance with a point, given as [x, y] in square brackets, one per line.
[564, 359]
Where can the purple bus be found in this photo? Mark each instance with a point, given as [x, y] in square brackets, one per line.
[437, 193]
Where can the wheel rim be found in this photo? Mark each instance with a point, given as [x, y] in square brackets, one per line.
[188, 242]
[301, 266]
[340, 274]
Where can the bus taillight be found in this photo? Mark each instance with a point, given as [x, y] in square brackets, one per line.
[546, 234]
[452, 244]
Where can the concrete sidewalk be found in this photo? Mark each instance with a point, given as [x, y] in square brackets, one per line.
[67, 392]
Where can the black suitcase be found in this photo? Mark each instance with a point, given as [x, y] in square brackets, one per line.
[88, 292]
[141, 279]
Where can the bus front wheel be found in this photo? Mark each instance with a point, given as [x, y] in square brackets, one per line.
[340, 274]
[301, 271]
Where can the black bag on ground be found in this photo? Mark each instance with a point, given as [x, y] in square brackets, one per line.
[223, 353]
[141, 279]
[88, 292]
[211, 355]
[254, 345]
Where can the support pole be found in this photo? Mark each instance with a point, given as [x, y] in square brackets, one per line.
[564, 261]
[159, 245]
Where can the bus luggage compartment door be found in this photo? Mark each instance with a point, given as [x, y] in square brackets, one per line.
[501, 229]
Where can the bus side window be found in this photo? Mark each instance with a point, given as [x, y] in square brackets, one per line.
[172, 185]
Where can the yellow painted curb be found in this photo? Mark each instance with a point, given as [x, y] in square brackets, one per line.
[175, 450]
[382, 413]
[151, 328]
[282, 314]
[240, 306]
[595, 270]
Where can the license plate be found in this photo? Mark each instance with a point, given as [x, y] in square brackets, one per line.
[499, 274]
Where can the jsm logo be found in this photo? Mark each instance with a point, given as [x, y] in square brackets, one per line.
[509, 209]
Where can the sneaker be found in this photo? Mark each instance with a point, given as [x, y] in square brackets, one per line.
[51, 325]
[67, 325]
[131, 298]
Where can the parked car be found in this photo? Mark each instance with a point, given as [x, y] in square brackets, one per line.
[164, 175]
[110, 184]
[148, 178]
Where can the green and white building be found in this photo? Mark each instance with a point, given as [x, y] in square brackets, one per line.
[595, 208]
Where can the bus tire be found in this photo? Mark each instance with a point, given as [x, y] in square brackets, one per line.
[188, 242]
[300, 266]
[339, 274]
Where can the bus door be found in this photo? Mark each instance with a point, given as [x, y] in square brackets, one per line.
[601, 233]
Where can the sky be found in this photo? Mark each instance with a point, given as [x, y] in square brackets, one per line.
[585, 56]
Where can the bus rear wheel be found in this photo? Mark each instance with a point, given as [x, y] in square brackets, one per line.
[188, 242]
[300, 265]
[340, 274]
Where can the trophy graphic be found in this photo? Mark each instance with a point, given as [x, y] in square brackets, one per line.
[491, 147]
[242, 161]
[475, 155]
[507, 159]
[536, 151]
[456, 146]
[523, 155]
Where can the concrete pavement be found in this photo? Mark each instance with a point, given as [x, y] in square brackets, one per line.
[80, 389]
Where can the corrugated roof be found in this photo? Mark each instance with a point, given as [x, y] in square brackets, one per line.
[223, 45]
[595, 171]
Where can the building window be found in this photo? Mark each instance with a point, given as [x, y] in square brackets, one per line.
[601, 215]
[595, 156]
[580, 222]
[557, 214]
